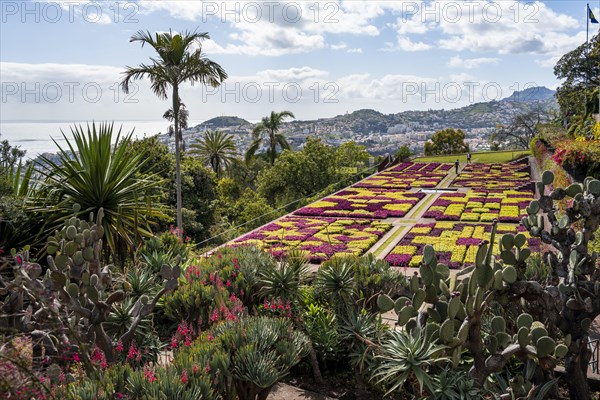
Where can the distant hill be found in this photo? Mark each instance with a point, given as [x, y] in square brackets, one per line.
[538, 93]
[225, 121]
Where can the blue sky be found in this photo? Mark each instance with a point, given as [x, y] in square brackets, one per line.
[61, 60]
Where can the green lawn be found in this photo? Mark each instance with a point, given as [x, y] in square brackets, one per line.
[487, 157]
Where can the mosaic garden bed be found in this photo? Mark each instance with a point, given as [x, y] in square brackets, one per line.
[455, 243]
[480, 206]
[408, 175]
[494, 176]
[362, 202]
[321, 237]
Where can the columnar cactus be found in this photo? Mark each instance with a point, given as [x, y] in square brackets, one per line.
[71, 300]
[575, 277]
[451, 308]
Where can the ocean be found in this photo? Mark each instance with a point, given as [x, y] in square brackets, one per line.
[36, 136]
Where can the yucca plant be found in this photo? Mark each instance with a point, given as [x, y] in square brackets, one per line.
[406, 357]
[94, 173]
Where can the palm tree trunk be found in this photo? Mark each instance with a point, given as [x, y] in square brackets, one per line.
[177, 159]
[273, 147]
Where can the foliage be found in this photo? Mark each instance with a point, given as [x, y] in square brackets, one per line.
[581, 157]
[262, 351]
[268, 130]
[447, 141]
[458, 307]
[322, 327]
[216, 149]
[351, 155]
[285, 280]
[407, 356]
[403, 154]
[521, 130]
[295, 175]
[94, 174]
[574, 269]
[580, 70]
[177, 62]
[198, 191]
[66, 308]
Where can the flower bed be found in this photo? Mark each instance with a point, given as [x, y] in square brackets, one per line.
[480, 206]
[362, 202]
[321, 237]
[408, 175]
[455, 243]
[495, 176]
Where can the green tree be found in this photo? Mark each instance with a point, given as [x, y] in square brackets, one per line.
[184, 115]
[577, 68]
[298, 174]
[403, 153]
[520, 131]
[447, 141]
[268, 130]
[176, 64]
[215, 148]
[94, 174]
[351, 155]
[199, 193]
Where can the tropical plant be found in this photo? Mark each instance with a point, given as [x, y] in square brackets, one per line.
[335, 283]
[285, 280]
[406, 356]
[268, 129]
[262, 352]
[94, 174]
[184, 115]
[217, 149]
[175, 65]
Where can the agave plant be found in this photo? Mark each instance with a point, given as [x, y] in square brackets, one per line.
[335, 282]
[94, 173]
[407, 356]
[285, 280]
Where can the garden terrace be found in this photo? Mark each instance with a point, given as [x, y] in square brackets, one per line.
[362, 202]
[508, 176]
[480, 206]
[321, 237]
[455, 243]
[407, 176]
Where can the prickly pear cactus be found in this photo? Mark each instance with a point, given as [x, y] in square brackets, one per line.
[575, 277]
[74, 294]
[451, 308]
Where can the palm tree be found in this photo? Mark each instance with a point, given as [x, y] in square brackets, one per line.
[184, 114]
[269, 126]
[215, 148]
[93, 173]
[176, 64]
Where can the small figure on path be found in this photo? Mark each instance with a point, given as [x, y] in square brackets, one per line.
[469, 157]
[456, 166]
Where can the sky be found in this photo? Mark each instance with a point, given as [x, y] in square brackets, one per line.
[63, 60]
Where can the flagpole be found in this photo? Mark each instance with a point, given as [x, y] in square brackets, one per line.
[587, 55]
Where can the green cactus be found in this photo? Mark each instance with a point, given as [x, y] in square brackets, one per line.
[77, 278]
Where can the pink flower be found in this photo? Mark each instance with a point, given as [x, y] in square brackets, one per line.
[132, 351]
[119, 347]
[149, 374]
[76, 357]
[184, 376]
[210, 337]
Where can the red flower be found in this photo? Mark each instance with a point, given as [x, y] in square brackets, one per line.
[119, 347]
[184, 376]
[76, 357]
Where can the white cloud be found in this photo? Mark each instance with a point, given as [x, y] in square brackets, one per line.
[339, 46]
[404, 43]
[471, 63]
[355, 51]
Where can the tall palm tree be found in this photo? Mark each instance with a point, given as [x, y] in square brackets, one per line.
[176, 64]
[268, 129]
[215, 148]
[94, 173]
[184, 114]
